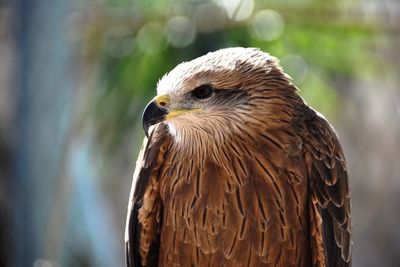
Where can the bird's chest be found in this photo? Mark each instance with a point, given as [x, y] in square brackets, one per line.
[225, 213]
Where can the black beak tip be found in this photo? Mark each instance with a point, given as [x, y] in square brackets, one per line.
[152, 114]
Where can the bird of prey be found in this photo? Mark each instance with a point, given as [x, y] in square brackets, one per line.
[237, 170]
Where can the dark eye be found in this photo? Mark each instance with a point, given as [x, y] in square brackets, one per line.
[203, 91]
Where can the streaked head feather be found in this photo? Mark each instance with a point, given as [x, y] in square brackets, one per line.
[249, 72]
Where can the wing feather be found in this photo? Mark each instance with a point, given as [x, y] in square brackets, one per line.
[145, 208]
[330, 196]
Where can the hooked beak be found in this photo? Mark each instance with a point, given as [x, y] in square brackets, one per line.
[152, 114]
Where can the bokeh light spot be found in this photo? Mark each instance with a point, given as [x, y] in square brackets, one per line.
[238, 10]
[267, 25]
[180, 31]
[45, 263]
[296, 67]
[150, 37]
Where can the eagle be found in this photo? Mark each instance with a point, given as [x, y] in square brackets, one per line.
[237, 170]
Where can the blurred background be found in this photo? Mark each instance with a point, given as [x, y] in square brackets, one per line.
[75, 76]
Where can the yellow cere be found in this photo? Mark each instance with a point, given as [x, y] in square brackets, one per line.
[162, 100]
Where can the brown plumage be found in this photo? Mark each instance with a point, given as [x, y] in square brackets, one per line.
[237, 171]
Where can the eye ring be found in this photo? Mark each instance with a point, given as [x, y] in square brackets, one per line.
[203, 91]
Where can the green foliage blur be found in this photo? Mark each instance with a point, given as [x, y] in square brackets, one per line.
[318, 43]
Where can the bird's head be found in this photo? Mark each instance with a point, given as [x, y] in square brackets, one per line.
[219, 94]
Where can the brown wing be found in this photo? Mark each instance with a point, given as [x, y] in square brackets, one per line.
[145, 207]
[330, 196]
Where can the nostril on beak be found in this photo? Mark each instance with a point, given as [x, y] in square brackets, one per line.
[162, 100]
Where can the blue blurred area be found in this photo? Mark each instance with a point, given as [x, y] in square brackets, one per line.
[43, 95]
[75, 76]
[59, 212]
